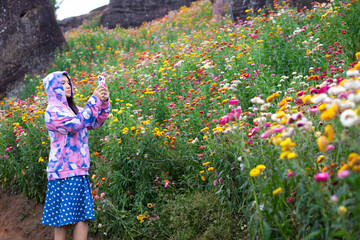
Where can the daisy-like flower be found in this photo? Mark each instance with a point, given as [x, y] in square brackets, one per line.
[336, 90]
[352, 73]
[349, 118]
[352, 85]
[257, 100]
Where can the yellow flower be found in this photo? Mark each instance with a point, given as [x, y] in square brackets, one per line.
[322, 107]
[291, 155]
[206, 163]
[40, 159]
[329, 133]
[320, 159]
[322, 143]
[261, 167]
[203, 178]
[330, 113]
[357, 55]
[201, 172]
[23, 173]
[342, 211]
[210, 169]
[277, 192]
[149, 205]
[125, 130]
[255, 172]
[119, 140]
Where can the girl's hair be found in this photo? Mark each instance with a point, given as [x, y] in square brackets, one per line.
[71, 102]
[72, 105]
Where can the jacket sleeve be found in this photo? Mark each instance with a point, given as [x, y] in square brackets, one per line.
[57, 119]
[102, 116]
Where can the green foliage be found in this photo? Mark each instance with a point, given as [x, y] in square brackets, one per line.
[163, 167]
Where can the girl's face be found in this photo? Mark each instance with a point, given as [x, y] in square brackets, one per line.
[66, 86]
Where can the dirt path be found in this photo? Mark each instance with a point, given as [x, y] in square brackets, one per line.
[20, 219]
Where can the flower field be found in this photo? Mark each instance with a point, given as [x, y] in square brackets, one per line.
[228, 129]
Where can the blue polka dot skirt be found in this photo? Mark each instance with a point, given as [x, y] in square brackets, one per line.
[68, 201]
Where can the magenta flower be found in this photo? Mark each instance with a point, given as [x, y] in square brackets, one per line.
[290, 174]
[234, 102]
[215, 182]
[237, 112]
[321, 177]
[223, 120]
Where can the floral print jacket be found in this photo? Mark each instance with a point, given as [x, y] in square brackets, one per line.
[69, 154]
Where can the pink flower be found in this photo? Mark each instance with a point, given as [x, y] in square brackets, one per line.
[102, 195]
[202, 147]
[334, 198]
[237, 111]
[5, 156]
[290, 174]
[215, 182]
[330, 148]
[220, 180]
[321, 177]
[313, 110]
[234, 102]
[267, 134]
[278, 129]
[343, 173]
[223, 120]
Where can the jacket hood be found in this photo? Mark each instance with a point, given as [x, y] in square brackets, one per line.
[54, 88]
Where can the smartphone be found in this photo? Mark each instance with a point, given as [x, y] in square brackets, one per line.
[101, 80]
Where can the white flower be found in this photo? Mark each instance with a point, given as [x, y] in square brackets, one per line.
[347, 104]
[354, 97]
[336, 90]
[265, 107]
[349, 118]
[260, 120]
[321, 98]
[352, 73]
[352, 85]
[257, 100]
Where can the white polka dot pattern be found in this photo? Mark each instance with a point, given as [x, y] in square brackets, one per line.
[68, 201]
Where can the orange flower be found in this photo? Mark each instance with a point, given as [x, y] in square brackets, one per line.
[322, 143]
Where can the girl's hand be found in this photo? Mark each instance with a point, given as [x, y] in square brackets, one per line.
[102, 93]
[105, 93]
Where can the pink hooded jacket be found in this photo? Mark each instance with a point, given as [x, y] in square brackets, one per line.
[69, 154]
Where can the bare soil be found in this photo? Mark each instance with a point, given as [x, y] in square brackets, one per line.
[20, 219]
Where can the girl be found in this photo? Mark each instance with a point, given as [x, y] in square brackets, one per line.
[68, 197]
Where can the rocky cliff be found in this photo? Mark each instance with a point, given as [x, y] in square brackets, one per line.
[29, 34]
[132, 13]
[239, 6]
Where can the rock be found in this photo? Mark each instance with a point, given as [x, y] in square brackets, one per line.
[74, 22]
[132, 13]
[29, 34]
[239, 6]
